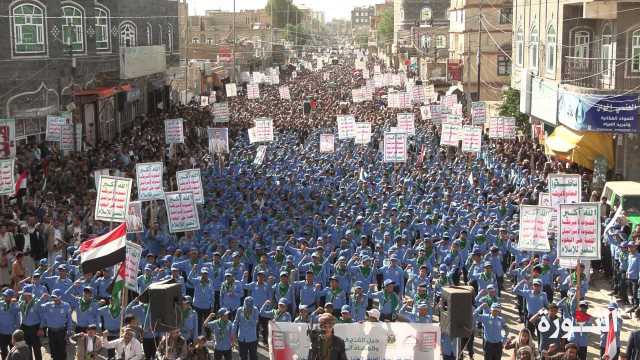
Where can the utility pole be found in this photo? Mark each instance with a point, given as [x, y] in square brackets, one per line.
[187, 40]
[479, 49]
[233, 73]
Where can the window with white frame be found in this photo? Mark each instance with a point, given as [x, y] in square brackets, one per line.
[441, 41]
[28, 29]
[149, 34]
[127, 34]
[519, 46]
[72, 28]
[504, 65]
[102, 29]
[606, 51]
[534, 39]
[635, 51]
[209, 41]
[581, 44]
[425, 14]
[195, 40]
[550, 52]
[170, 38]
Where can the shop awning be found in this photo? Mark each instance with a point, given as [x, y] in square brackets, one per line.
[580, 147]
[103, 91]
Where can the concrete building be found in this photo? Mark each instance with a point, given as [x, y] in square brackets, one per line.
[410, 13]
[577, 65]
[361, 16]
[103, 60]
[466, 17]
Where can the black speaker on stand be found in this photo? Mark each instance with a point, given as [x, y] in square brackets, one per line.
[456, 311]
[164, 304]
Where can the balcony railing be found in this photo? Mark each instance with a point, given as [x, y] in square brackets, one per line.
[596, 73]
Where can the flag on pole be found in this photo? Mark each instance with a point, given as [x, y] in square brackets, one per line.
[116, 290]
[104, 251]
[611, 347]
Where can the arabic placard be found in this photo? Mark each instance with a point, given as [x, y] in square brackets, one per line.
[204, 101]
[346, 126]
[220, 112]
[534, 228]
[173, 131]
[478, 112]
[395, 147]
[327, 143]
[264, 129]
[260, 154]
[253, 91]
[362, 133]
[112, 200]
[7, 138]
[190, 180]
[7, 180]
[451, 135]
[565, 189]
[54, 128]
[132, 263]
[66, 137]
[181, 211]
[471, 138]
[284, 92]
[406, 122]
[231, 89]
[149, 181]
[579, 231]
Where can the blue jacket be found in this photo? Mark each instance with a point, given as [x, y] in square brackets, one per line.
[222, 333]
[9, 317]
[246, 327]
[57, 316]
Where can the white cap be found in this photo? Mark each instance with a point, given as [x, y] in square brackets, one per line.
[374, 313]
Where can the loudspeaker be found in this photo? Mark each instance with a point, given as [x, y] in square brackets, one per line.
[164, 301]
[456, 311]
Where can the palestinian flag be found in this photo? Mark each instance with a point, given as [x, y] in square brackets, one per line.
[104, 251]
[116, 290]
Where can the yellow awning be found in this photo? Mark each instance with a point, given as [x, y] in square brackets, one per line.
[580, 147]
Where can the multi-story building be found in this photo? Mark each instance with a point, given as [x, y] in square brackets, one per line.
[410, 13]
[476, 27]
[361, 16]
[577, 65]
[103, 60]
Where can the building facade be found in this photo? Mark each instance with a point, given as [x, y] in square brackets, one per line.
[410, 13]
[64, 55]
[476, 27]
[361, 16]
[577, 64]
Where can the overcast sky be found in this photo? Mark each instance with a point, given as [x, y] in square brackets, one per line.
[331, 8]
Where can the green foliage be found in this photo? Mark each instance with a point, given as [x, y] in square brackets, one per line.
[511, 107]
[284, 13]
[385, 26]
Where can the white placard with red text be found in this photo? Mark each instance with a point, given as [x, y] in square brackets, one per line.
[395, 147]
[327, 143]
[182, 212]
[173, 131]
[406, 123]
[471, 138]
[190, 180]
[112, 199]
[149, 181]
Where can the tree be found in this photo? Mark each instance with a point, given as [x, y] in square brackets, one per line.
[284, 12]
[385, 26]
[511, 107]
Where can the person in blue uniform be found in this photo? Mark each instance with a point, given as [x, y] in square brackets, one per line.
[56, 317]
[245, 328]
[85, 307]
[222, 330]
[493, 326]
[189, 327]
[30, 319]
[9, 320]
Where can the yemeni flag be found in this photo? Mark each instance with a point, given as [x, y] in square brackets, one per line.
[116, 290]
[104, 251]
[611, 348]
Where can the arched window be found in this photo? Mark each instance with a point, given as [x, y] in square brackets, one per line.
[550, 53]
[635, 51]
[149, 35]
[581, 44]
[102, 29]
[72, 28]
[426, 14]
[534, 39]
[195, 40]
[519, 46]
[170, 38]
[28, 29]
[127, 34]
[425, 41]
